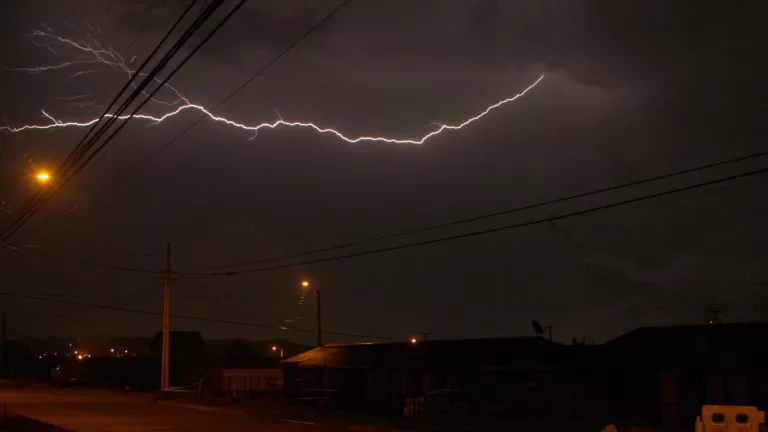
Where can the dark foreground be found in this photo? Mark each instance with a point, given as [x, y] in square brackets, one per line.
[102, 411]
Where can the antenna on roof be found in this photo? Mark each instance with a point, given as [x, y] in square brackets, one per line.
[539, 330]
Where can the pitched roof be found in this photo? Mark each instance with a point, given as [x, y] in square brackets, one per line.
[707, 342]
[488, 353]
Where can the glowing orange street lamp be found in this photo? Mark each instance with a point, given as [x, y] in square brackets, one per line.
[43, 177]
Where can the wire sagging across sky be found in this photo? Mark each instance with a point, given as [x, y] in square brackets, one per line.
[93, 54]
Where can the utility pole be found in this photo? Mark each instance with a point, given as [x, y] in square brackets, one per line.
[306, 285]
[164, 368]
[319, 319]
[2, 345]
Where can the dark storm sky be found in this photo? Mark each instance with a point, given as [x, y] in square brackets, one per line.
[631, 90]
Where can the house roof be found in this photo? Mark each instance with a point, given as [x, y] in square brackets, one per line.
[738, 343]
[707, 342]
[480, 353]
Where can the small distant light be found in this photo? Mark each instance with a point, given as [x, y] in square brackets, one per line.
[111, 350]
[305, 283]
[126, 351]
[274, 348]
[79, 357]
[413, 340]
[75, 351]
[39, 357]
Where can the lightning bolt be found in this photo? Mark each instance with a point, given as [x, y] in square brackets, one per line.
[76, 97]
[114, 60]
[93, 54]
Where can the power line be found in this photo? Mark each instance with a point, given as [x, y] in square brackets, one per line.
[185, 317]
[245, 83]
[66, 168]
[487, 231]
[148, 23]
[420, 243]
[151, 76]
[139, 292]
[83, 262]
[495, 214]
[130, 80]
[577, 250]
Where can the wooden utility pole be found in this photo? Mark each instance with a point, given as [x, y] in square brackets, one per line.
[2, 345]
[319, 319]
[164, 368]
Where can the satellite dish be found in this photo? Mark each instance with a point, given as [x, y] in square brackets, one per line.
[537, 328]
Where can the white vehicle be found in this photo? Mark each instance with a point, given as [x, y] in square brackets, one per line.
[729, 418]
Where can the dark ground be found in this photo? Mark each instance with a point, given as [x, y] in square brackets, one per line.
[82, 409]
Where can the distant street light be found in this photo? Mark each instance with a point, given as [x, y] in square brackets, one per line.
[111, 350]
[413, 340]
[274, 348]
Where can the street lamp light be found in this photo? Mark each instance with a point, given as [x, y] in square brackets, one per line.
[43, 176]
[413, 340]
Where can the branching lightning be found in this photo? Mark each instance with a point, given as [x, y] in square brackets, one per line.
[96, 54]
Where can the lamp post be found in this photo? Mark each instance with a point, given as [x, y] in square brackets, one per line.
[306, 285]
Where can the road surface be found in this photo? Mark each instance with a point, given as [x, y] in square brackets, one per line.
[92, 410]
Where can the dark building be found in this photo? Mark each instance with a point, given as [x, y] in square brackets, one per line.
[652, 377]
[672, 371]
[518, 374]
